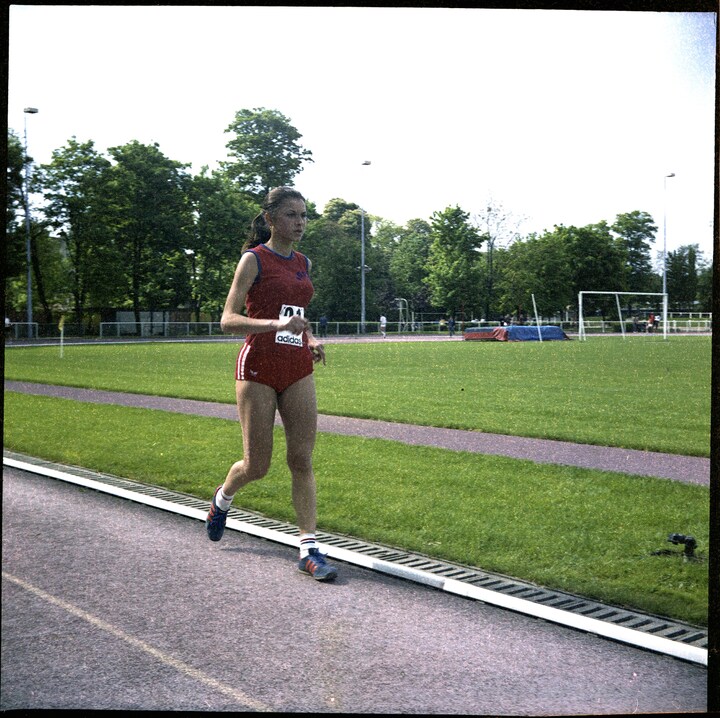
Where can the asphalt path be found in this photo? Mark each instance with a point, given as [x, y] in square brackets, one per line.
[110, 604]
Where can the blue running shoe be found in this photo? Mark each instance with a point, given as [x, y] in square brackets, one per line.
[215, 521]
[314, 565]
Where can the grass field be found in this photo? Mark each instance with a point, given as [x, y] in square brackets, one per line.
[583, 531]
[632, 393]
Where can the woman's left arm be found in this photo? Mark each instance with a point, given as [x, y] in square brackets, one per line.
[315, 346]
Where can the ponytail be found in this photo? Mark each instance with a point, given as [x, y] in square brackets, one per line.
[259, 232]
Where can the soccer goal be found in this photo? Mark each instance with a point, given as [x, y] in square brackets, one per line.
[617, 295]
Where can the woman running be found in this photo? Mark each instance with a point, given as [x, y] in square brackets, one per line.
[274, 368]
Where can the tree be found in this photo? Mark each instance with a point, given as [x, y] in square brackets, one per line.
[408, 264]
[380, 287]
[14, 259]
[499, 228]
[335, 254]
[453, 262]
[537, 265]
[50, 284]
[336, 209]
[45, 259]
[705, 288]
[636, 233]
[222, 217]
[152, 223]
[682, 277]
[76, 194]
[265, 151]
[333, 243]
[596, 259]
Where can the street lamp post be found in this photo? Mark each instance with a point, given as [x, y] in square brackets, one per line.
[28, 111]
[362, 270]
[665, 303]
[362, 264]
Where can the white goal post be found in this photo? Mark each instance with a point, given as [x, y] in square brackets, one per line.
[617, 295]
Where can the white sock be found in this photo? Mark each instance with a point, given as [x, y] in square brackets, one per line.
[307, 541]
[222, 500]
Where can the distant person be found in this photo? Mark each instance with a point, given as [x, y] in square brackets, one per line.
[274, 368]
[383, 326]
[323, 325]
[451, 326]
[651, 323]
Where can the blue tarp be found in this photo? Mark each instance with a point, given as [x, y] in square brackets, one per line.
[514, 333]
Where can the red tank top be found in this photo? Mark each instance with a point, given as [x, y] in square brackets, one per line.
[282, 288]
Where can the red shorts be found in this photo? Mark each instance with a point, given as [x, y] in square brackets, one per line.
[278, 370]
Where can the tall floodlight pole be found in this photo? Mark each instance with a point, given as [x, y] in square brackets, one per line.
[665, 302]
[28, 111]
[362, 271]
[362, 264]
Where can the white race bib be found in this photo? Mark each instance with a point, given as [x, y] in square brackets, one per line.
[284, 336]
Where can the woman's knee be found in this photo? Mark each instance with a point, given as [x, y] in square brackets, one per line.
[253, 468]
[299, 462]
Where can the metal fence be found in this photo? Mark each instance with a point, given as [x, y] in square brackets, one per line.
[209, 329]
[159, 329]
[167, 329]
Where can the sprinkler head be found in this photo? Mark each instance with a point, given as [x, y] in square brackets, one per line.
[689, 542]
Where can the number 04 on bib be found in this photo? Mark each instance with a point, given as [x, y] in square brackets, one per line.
[284, 336]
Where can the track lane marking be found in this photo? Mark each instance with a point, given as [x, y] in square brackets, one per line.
[164, 658]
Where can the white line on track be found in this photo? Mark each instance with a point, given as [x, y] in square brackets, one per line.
[180, 666]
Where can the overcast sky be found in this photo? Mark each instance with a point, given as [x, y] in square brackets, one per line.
[560, 117]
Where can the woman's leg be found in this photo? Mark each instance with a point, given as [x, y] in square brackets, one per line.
[298, 410]
[256, 408]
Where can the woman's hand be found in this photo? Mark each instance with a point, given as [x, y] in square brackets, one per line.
[317, 349]
[294, 324]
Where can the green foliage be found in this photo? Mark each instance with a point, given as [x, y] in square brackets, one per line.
[13, 185]
[151, 217]
[682, 277]
[636, 231]
[596, 259]
[336, 210]
[75, 187]
[223, 216]
[539, 266]
[454, 262]
[335, 254]
[49, 272]
[136, 231]
[408, 263]
[705, 288]
[265, 149]
[333, 243]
